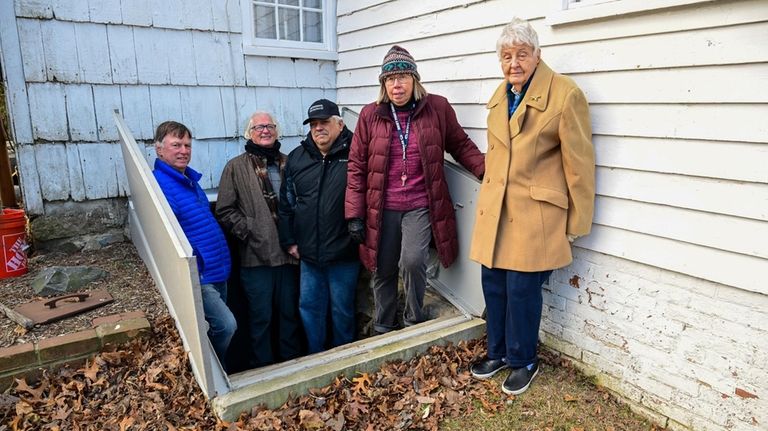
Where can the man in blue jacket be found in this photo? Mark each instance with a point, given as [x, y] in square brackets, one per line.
[179, 182]
[312, 228]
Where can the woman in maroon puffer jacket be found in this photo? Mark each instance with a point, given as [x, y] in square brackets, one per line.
[397, 198]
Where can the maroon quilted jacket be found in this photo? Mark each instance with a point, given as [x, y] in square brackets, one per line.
[438, 131]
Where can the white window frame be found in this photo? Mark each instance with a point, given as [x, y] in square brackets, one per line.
[571, 11]
[325, 50]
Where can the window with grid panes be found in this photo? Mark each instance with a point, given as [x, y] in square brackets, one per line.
[290, 28]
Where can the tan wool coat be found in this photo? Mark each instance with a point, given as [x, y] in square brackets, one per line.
[539, 182]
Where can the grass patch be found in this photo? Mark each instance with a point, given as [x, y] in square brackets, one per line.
[559, 399]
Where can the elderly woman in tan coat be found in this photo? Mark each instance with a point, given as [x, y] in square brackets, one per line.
[537, 196]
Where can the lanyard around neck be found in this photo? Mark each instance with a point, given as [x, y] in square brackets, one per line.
[403, 136]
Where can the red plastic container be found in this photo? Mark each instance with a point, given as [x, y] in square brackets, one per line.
[13, 235]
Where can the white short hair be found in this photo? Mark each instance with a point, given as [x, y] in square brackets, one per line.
[247, 131]
[518, 32]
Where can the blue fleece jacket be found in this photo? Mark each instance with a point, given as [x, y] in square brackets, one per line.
[191, 208]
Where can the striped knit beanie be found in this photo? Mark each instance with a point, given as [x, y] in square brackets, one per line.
[398, 61]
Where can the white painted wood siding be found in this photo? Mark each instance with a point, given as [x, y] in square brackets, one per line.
[70, 63]
[677, 101]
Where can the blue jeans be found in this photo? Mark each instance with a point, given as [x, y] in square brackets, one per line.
[513, 314]
[323, 289]
[221, 321]
[273, 313]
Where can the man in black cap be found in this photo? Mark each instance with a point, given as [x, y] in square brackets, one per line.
[313, 229]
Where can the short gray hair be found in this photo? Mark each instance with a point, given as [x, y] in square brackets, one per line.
[518, 32]
[247, 131]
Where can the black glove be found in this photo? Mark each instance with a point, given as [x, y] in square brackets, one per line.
[356, 230]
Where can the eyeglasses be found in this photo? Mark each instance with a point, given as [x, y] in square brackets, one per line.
[402, 78]
[261, 127]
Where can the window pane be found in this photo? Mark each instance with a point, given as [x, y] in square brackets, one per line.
[289, 2]
[289, 24]
[317, 4]
[264, 22]
[313, 27]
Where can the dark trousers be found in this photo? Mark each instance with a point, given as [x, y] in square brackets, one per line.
[513, 303]
[273, 311]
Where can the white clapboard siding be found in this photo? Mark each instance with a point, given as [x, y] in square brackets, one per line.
[677, 85]
[739, 122]
[718, 196]
[662, 121]
[469, 42]
[727, 233]
[713, 159]
[731, 269]
[492, 13]
[703, 16]
[348, 7]
[481, 39]
[723, 45]
[400, 10]
[720, 46]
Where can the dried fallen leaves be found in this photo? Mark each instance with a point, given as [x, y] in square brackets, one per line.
[148, 385]
[403, 395]
[145, 385]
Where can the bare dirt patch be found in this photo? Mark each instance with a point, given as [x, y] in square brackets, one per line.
[129, 283]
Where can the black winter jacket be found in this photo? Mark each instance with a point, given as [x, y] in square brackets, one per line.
[312, 202]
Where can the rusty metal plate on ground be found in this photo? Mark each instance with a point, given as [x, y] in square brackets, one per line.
[52, 309]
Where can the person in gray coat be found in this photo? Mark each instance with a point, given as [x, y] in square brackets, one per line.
[247, 208]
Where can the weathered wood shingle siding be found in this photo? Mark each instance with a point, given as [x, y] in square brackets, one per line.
[153, 60]
[666, 298]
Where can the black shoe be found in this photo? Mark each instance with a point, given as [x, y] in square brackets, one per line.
[519, 380]
[486, 368]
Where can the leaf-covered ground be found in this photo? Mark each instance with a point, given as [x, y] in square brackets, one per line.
[148, 385]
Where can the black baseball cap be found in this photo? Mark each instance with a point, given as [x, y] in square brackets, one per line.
[321, 110]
